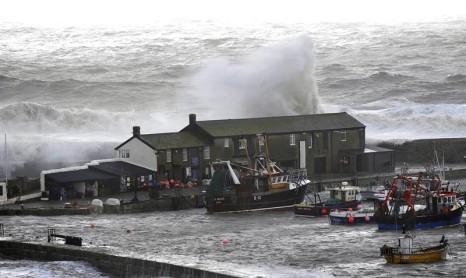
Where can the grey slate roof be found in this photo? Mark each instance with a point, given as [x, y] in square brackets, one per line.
[79, 175]
[101, 171]
[173, 140]
[278, 125]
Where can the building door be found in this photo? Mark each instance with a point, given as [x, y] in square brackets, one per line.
[302, 154]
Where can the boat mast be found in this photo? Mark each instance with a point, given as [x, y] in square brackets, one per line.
[441, 169]
[267, 158]
[6, 163]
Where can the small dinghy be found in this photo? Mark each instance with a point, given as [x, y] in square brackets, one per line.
[406, 253]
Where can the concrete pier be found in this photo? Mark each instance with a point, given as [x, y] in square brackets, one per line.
[114, 265]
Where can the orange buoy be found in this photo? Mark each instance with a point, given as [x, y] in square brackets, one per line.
[350, 219]
[225, 241]
[323, 211]
[367, 218]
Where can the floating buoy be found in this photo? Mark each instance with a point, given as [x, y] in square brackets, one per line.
[350, 219]
[128, 231]
[323, 211]
[367, 218]
[225, 241]
[92, 225]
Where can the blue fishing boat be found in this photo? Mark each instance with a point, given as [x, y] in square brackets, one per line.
[399, 210]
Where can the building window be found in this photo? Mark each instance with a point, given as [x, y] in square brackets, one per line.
[206, 152]
[343, 135]
[124, 153]
[226, 143]
[242, 144]
[195, 162]
[185, 154]
[169, 155]
[310, 141]
[292, 139]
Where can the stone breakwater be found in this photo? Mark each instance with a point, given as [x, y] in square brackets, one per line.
[452, 150]
[114, 265]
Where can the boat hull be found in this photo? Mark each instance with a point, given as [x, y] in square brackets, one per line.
[433, 254]
[323, 209]
[419, 222]
[343, 218]
[272, 200]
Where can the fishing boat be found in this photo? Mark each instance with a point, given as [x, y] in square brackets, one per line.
[440, 208]
[406, 253]
[264, 187]
[352, 217]
[342, 197]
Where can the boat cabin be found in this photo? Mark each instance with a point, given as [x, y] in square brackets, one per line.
[405, 244]
[344, 193]
[441, 202]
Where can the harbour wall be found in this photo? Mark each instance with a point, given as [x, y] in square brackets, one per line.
[113, 265]
[46, 208]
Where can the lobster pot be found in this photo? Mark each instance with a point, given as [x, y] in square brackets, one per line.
[406, 245]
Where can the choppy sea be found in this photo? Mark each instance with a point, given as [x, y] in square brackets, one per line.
[72, 94]
[264, 244]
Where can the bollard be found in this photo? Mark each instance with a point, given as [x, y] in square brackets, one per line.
[50, 233]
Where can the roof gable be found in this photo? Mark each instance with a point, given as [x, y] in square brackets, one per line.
[137, 138]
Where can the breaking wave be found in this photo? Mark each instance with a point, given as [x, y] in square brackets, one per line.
[273, 81]
[34, 117]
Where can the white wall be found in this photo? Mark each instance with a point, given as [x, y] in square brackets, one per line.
[140, 153]
[3, 196]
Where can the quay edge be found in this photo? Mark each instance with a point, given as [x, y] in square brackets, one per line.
[114, 265]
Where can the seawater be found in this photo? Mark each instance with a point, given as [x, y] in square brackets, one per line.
[259, 244]
[71, 94]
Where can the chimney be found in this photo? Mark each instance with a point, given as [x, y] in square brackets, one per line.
[192, 119]
[136, 131]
